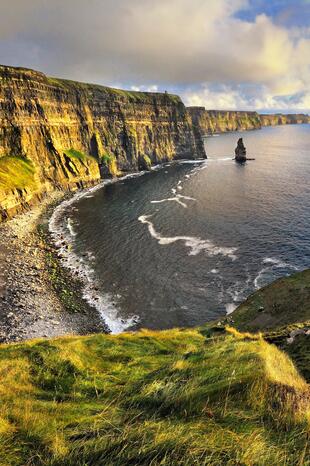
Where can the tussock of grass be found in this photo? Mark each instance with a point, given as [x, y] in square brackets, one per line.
[243, 335]
[16, 173]
[170, 398]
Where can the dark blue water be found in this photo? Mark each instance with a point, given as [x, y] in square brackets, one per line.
[187, 243]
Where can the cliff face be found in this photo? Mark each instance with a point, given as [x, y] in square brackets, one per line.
[281, 119]
[61, 134]
[217, 121]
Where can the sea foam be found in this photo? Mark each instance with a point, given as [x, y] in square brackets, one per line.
[196, 245]
[271, 264]
[176, 199]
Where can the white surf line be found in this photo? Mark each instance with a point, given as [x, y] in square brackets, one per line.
[70, 227]
[230, 307]
[236, 294]
[176, 199]
[195, 162]
[221, 159]
[274, 264]
[195, 244]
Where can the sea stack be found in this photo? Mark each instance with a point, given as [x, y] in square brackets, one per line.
[240, 152]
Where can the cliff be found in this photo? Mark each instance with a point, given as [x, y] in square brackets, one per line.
[282, 119]
[219, 121]
[56, 133]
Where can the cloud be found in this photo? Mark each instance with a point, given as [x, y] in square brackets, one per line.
[245, 97]
[142, 43]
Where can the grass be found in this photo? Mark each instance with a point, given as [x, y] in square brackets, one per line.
[80, 163]
[16, 173]
[176, 397]
[110, 161]
[68, 289]
[279, 309]
[107, 159]
[283, 302]
[78, 155]
[130, 96]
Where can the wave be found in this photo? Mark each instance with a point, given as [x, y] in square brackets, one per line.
[176, 199]
[70, 227]
[220, 159]
[230, 307]
[273, 264]
[196, 245]
[189, 162]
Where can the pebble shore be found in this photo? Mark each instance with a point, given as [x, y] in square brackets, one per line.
[30, 307]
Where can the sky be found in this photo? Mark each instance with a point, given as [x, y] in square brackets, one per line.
[221, 54]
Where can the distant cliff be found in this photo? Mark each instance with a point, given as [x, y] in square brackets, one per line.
[56, 133]
[284, 119]
[219, 121]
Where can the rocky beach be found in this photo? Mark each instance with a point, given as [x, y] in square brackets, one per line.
[37, 298]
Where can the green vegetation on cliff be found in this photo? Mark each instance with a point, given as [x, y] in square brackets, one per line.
[16, 173]
[178, 397]
[78, 155]
[282, 311]
[109, 161]
[131, 96]
[283, 302]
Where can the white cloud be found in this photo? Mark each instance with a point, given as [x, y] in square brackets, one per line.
[182, 43]
[259, 98]
[151, 88]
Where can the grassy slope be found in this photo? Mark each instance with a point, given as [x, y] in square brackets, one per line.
[279, 309]
[16, 173]
[178, 397]
[284, 302]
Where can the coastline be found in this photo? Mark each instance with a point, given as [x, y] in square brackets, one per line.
[62, 234]
[38, 299]
[39, 296]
